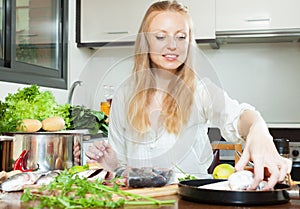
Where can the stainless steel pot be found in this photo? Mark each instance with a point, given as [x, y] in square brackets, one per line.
[47, 150]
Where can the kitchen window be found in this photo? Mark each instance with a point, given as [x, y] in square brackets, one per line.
[33, 47]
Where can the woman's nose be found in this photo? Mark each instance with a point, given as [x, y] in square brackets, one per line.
[171, 43]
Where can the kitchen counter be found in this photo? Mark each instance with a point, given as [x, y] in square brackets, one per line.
[11, 201]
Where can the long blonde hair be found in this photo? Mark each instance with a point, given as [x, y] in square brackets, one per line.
[176, 107]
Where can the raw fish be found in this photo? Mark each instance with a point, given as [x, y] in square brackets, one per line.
[48, 177]
[242, 180]
[144, 177]
[237, 181]
[94, 174]
[17, 182]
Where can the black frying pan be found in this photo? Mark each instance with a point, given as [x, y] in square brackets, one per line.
[188, 190]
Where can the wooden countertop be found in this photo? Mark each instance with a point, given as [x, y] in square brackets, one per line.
[12, 201]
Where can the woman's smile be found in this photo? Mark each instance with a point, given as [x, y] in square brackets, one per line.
[170, 57]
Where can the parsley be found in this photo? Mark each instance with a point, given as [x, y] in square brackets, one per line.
[186, 176]
[70, 191]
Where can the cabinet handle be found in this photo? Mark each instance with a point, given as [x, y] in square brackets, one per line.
[258, 19]
[117, 32]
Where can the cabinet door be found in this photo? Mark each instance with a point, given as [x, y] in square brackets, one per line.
[203, 15]
[257, 14]
[107, 21]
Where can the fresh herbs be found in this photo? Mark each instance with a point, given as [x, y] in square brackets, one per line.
[84, 118]
[186, 176]
[78, 168]
[70, 191]
[30, 103]
[3, 108]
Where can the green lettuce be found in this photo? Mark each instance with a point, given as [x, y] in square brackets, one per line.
[30, 103]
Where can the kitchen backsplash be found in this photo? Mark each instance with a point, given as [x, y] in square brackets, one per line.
[265, 75]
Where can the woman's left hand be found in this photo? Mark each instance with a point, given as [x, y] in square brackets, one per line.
[261, 150]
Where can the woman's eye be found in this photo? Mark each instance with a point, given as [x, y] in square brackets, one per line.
[160, 37]
[181, 37]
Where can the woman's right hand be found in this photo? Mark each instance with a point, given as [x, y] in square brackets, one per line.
[103, 153]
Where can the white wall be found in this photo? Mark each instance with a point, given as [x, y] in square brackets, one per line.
[265, 75]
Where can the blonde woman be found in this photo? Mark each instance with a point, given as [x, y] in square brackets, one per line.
[160, 115]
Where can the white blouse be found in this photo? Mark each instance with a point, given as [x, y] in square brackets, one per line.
[189, 151]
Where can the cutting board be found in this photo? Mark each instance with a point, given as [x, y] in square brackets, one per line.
[155, 191]
[149, 191]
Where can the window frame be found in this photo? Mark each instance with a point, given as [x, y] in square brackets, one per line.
[25, 73]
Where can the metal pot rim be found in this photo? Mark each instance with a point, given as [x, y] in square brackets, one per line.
[10, 134]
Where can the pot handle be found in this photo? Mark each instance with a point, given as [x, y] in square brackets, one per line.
[7, 138]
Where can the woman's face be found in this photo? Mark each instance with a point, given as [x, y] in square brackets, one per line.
[168, 40]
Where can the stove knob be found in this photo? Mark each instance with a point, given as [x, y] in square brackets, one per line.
[295, 153]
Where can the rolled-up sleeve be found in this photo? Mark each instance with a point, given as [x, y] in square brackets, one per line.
[220, 110]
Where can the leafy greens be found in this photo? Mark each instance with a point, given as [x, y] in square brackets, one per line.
[30, 103]
[84, 118]
[70, 191]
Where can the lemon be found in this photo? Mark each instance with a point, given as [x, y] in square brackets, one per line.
[223, 171]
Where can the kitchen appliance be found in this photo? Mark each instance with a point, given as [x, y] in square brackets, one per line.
[283, 147]
[46, 150]
[293, 135]
[189, 190]
[295, 151]
[295, 156]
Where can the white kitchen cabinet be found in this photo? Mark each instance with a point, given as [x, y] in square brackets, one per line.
[203, 16]
[114, 20]
[100, 21]
[242, 15]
